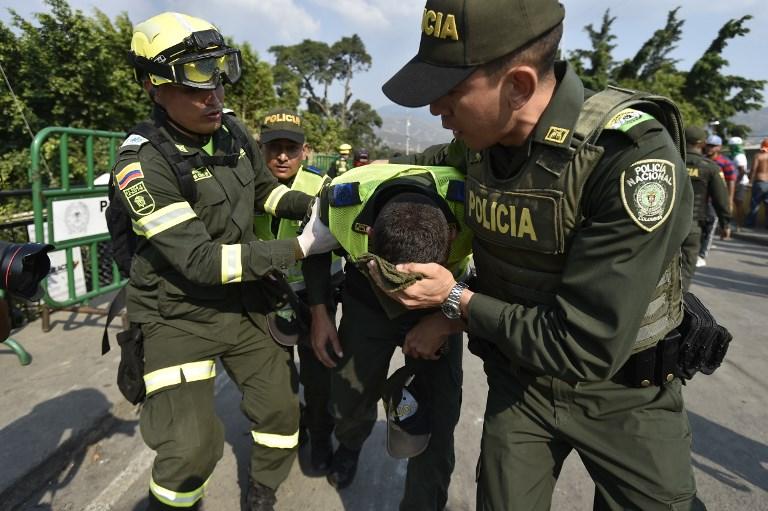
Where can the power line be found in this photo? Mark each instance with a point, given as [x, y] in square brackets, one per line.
[21, 111]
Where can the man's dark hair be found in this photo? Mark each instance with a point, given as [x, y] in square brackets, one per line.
[411, 228]
[540, 53]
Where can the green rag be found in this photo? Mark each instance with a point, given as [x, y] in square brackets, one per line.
[390, 277]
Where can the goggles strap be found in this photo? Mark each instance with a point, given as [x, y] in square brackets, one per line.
[148, 66]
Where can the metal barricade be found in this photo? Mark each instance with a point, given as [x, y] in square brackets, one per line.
[69, 214]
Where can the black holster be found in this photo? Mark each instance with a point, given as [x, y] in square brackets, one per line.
[130, 372]
[704, 342]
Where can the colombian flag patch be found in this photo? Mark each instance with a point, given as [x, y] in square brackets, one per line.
[130, 173]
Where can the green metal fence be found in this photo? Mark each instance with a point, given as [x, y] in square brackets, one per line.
[69, 212]
[323, 161]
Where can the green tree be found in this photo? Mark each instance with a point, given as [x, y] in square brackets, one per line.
[703, 94]
[653, 55]
[65, 69]
[597, 75]
[718, 96]
[312, 68]
[254, 93]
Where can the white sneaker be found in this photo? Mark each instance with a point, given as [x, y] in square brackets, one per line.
[700, 262]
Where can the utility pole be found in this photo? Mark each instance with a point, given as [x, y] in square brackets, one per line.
[407, 136]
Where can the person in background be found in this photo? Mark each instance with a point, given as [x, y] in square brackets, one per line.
[361, 158]
[708, 188]
[759, 180]
[342, 163]
[736, 152]
[713, 150]
[285, 148]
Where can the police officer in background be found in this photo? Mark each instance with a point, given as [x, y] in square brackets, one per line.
[284, 147]
[579, 206]
[200, 282]
[708, 185]
[342, 164]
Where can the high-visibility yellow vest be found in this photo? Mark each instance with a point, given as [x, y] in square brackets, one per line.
[349, 193]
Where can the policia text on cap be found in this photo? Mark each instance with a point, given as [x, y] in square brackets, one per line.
[190, 180]
[589, 281]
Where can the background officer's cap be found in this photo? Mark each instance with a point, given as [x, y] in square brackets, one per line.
[695, 135]
[459, 35]
[282, 123]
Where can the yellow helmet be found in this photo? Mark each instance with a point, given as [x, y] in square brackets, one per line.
[176, 48]
[345, 148]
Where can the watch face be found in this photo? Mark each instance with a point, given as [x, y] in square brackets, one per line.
[450, 310]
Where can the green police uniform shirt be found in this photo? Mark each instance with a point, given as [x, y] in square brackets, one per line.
[708, 182]
[197, 266]
[626, 232]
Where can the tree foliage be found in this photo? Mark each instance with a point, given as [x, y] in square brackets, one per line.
[703, 93]
[312, 68]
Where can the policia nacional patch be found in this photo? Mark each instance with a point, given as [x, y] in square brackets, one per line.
[142, 203]
[648, 192]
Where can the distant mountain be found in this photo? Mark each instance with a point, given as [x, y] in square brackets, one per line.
[758, 121]
[424, 129]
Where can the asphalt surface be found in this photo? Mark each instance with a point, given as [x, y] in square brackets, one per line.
[69, 442]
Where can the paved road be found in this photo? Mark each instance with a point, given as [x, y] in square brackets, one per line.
[728, 412]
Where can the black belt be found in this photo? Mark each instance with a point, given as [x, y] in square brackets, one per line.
[653, 366]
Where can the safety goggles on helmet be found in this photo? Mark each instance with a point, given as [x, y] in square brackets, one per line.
[208, 70]
[201, 60]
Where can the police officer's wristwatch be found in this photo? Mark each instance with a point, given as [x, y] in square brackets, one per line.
[451, 307]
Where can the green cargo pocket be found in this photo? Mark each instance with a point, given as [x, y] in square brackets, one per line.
[171, 415]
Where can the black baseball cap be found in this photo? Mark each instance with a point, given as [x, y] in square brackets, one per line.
[457, 36]
[282, 123]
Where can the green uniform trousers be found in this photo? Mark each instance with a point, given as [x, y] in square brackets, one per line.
[368, 339]
[690, 253]
[634, 442]
[316, 380]
[179, 421]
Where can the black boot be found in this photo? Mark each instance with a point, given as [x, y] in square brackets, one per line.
[260, 498]
[343, 467]
[320, 453]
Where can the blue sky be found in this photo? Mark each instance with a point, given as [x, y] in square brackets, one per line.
[390, 28]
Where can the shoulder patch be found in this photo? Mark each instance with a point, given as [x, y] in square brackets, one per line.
[134, 140]
[648, 192]
[314, 170]
[142, 203]
[129, 173]
[627, 119]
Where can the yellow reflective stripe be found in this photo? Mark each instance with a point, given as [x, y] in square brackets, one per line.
[136, 229]
[164, 218]
[276, 441]
[270, 205]
[231, 264]
[175, 498]
[167, 376]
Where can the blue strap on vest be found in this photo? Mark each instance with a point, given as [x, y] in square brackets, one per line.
[345, 194]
